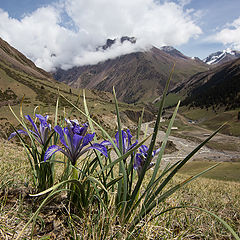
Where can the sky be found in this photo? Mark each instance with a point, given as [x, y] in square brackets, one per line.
[66, 33]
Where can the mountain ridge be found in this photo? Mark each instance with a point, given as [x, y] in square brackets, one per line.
[138, 76]
[220, 57]
[13, 58]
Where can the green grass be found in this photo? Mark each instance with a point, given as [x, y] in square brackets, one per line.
[226, 171]
[172, 99]
[223, 146]
[197, 114]
[232, 126]
[212, 120]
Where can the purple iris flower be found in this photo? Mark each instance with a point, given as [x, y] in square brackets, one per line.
[74, 140]
[141, 157]
[126, 141]
[40, 135]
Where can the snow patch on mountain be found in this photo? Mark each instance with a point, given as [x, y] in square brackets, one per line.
[222, 56]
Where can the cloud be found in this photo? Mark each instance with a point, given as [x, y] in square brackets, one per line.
[230, 35]
[68, 33]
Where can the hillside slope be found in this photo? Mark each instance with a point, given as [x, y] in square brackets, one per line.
[16, 60]
[139, 76]
[219, 86]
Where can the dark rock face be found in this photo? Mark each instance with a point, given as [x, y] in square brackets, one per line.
[173, 52]
[111, 42]
[108, 44]
[129, 39]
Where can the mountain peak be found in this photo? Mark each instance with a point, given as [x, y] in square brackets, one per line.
[222, 56]
[167, 48]
[111, 42]
[173, 52]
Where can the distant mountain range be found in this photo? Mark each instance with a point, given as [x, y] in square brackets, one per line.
[139, 76]
[222, 57]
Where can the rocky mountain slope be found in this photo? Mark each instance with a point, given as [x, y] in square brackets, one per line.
[138, 76]
[16, 60]
[220, 57]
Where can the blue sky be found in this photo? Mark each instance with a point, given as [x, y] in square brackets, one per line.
[65, 33]
[17, 9]
[215, 15]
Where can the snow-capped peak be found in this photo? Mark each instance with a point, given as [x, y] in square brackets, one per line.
[221, 56]
[230, 51]
[167, 48]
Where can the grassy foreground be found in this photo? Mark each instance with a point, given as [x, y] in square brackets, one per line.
[226, 171]
[220, 197]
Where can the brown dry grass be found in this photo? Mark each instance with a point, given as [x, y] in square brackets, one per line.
[220, 197]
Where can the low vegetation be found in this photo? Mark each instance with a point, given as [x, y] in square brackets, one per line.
[219, 196]
[79, 183]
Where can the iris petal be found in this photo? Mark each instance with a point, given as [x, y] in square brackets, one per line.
[51, 150]
[15, 133]
[88, 138]
[76, 140]
[41, 118]
[96, 146]
[83, 130]
[68, 136]
[124, 142]
[33, 124]
[117, 139]
[129, 137]
[144, 148]
[156, 151]
[106, 143]
[59, 130]
[138, 161]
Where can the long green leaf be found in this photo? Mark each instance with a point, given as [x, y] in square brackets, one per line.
[170, 176]
[95, 138]
[119, 123]
[156, 200]
[157, 165]
[139, 125]
[152, 144]
[100, 199]
[122, 169]
[149, 187]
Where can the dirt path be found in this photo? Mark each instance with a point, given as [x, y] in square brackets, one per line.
[185, 146]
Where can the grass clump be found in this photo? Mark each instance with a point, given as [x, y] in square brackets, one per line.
[109, 188]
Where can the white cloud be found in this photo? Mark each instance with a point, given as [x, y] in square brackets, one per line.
[230, 35]
[44, 37]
